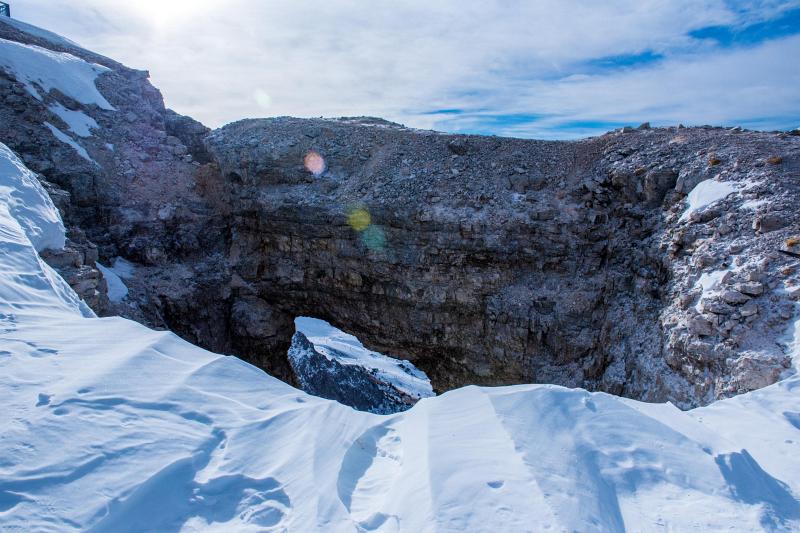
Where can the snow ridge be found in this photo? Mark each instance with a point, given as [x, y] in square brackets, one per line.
[28, 203]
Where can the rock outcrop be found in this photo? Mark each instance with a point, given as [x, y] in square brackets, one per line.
[127, 185]
[480, 259]
[351, 385]
[493, 261]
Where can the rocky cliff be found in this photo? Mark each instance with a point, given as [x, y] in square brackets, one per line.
[123, 169]
[648, 263]
[494, 261]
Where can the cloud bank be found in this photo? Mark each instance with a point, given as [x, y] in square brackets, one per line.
[548, 69]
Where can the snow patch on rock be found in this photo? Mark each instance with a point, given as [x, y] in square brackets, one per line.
[708, 282]
[335, 344]
[706, 193]
[754, 204]
[35, 66]
[117, 291]
[78, 122]
[792, 341]
[66, 139]
[123, 268]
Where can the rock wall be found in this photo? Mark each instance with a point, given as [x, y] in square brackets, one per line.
[132, 192]
[495, 261]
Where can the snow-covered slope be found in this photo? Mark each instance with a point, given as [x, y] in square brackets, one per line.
[39, 32]
[53, 70]
[109, 426]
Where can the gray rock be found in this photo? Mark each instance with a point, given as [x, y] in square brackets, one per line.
[734, 297]
[351, 385]
[716, 307]
[769, 222]
[749, 309]
[752, 288]
[754, 372]
[700, 326]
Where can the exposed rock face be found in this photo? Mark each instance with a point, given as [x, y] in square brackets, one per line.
[482, 260]
[492, 261]
[134, 195]
[351, 385]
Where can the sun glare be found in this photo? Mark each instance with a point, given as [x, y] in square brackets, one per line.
[171, 11]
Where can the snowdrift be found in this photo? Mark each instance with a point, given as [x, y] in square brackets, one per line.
[109, 426]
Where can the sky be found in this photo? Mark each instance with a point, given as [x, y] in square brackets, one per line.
[553, 69]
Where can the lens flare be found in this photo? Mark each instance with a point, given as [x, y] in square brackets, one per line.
[262, 98]
[359, 219]
[374, 238]
[314, 163]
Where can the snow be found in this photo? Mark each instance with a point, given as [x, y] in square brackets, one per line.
[792, 340]
[66, 139]
[29, 222]
[117, 291]
[754, 204]
[39, 32]
[36, 66]
[706, 193]
[112, 427]
[28, 204]
[708, 282]
[123, 268]
[78, 122]
[348, 350]
[120, 269]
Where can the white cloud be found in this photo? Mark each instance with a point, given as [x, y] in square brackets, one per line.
[221, 61]
[754, 87]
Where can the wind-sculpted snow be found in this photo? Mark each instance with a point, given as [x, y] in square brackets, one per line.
[28, 203]
[112, 427]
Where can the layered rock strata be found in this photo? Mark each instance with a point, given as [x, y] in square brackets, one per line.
[494, 261]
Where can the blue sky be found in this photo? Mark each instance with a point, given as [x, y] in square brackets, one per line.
[544, 69]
